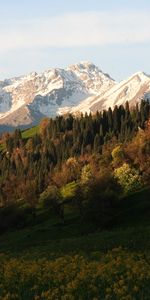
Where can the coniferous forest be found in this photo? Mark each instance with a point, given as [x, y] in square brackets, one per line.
[73, 150]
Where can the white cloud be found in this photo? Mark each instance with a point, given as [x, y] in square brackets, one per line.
[77, 29]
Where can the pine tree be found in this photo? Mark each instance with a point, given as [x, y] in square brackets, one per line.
[96, 143]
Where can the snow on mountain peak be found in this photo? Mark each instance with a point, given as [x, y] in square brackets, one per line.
[82, 66]
[81, 87]
[86, 66]
[44, 94]
[133, 89]
[142, 76]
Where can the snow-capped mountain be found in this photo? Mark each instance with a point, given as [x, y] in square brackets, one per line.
[132, 90]
[81, 87]
[25, 100]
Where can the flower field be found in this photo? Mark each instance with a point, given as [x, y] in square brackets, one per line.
[116, 275]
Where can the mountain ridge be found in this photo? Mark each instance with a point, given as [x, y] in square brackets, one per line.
[133, 89]
[46, 92]
[81, 87]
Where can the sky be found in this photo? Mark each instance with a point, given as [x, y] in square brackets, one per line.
[36, 35]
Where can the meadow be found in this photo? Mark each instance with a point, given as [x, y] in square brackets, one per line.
[47, 260]
[28, 133]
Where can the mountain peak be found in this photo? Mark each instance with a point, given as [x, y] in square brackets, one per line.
[83, 65]
[82, 87]
[44, 94]
[142, 75]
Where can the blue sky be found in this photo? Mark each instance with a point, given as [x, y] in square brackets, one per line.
[37, 35]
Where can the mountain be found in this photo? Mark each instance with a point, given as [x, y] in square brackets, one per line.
[25, 100]
[133, 89]
[81, 87]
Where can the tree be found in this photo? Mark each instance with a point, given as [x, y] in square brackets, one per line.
[101, 198]
[118, 156]
[43, 126]
[129, 178]
[51, 198]
[86, 174]
[17, 136]
[97, 143]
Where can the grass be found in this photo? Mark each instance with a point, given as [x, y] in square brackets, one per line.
[77, 260]
[130, 228]
[2, 147]
[28, 133]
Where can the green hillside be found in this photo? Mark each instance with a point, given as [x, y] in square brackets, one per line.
[66, 253]
[28, 133]
[46, 231]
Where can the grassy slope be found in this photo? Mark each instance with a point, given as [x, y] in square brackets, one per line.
[28, 133]
[131, 229]
[1, 147]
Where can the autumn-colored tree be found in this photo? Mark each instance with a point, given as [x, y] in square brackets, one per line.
[43, 126]
[118, 156]
[129, 178]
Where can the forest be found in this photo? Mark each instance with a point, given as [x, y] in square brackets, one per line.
[89, 162]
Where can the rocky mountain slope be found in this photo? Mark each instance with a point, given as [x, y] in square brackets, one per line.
[25, 100]
[133, 89]
[81, 87]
